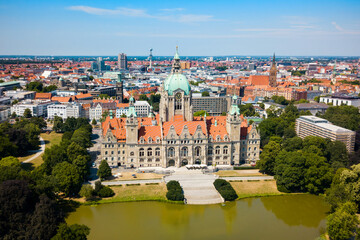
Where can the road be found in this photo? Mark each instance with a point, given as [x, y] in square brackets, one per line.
[39, 152]
[94, 152]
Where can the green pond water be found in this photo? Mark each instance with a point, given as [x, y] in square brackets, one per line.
[278, 217]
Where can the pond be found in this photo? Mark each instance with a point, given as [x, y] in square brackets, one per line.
[277, 217]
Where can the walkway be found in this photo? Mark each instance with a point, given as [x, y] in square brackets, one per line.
[248, 178]
[39, 152]
[198, 187]
[121, 182]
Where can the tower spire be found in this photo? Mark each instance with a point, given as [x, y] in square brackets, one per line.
[176, 67]
[273, 58]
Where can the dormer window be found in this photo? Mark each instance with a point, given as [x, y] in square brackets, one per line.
[149, 140]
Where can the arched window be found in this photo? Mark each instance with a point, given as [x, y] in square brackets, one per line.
[178, 101]
[141, 152]
[149, 152]
[217, 150]
[157, 152]
[197, 151]
[225, 150]
[131, 153]
[171, 152]
[210, 150]
[184, 152]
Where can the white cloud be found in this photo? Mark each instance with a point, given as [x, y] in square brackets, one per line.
[130, 12]
[172, 9]
[344, 31]
[118, 11]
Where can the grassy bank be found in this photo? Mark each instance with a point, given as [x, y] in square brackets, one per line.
[239, 173]
[247, 189]
[133, 193]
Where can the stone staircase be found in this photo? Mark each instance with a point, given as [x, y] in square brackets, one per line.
[198, 187]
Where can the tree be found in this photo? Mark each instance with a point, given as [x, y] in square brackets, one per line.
[86, 191]
[343, 223]
[268, 156]
[82, 137]
[337, 154]
[93, 122]
[247, 110]
[67, 177]
[200, 113]
[104, 96]
[13, 115]
[205, 94]
[74, 150]
[27, 113]
[52, 156]
[58, 125]
[82, 164]
[143, 97]
[34, 86]
[317, 99]
[104, 170]
[75, 231]
[343, 116]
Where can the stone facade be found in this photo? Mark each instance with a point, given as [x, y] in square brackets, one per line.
[174, 137]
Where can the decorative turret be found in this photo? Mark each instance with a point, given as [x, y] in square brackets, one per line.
[119, 88]
[234, 109]
[131, 112]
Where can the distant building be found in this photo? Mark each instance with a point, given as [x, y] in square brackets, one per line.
[338, 100]
[314, 108]
[10, 85]
[64, 110]
[315, 126]
[122, 61]
[214, 106]
[142, 108]
[273, 73]
[37, 108]
[4, 113]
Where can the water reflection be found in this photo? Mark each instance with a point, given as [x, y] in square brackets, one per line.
[286, 217]
[295, 210]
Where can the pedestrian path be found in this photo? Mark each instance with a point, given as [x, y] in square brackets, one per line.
[38, 152]
[198, 187]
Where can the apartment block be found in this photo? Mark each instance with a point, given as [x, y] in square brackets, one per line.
[315, 126]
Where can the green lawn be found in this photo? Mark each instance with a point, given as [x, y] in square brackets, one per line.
[50, 139]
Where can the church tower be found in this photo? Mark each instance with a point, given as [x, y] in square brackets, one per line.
[175, 102]
[119, 89]
[273, 72]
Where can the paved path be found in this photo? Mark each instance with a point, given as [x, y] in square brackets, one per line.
[120, 182]
[39, 152]
[198, 187]
[248, 178]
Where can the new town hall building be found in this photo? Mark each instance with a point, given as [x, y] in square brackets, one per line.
[174, 137]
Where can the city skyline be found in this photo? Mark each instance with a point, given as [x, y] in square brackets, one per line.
[95, 28]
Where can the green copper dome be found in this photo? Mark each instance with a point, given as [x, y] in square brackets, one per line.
[176, 80]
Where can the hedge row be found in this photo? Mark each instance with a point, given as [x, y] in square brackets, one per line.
[175, 192]
[225, 189]
[245, 168]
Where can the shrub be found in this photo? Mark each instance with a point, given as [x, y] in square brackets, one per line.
[225, 189]
[132, 184]
[175, 195]
[173, 185]
[106, 192]
[175, 192]
[87, 191]
[151, 183]
[245, 168]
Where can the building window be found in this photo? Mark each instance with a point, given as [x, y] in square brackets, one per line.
[197, 151]
[149, 152]
[141, 152]
[225, 150]
[184, 151]
[217, 150]
[171, 152]
[210, 151]
[178, 101]
[157, 152]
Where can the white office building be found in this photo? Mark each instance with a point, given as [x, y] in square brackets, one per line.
[142, 108]
[37, 108]
[64, 110]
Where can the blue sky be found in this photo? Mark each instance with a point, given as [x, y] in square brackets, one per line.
[206, 28]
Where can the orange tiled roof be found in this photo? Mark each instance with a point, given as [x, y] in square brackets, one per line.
[258, 80]
[43, 96]
[61, 99]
